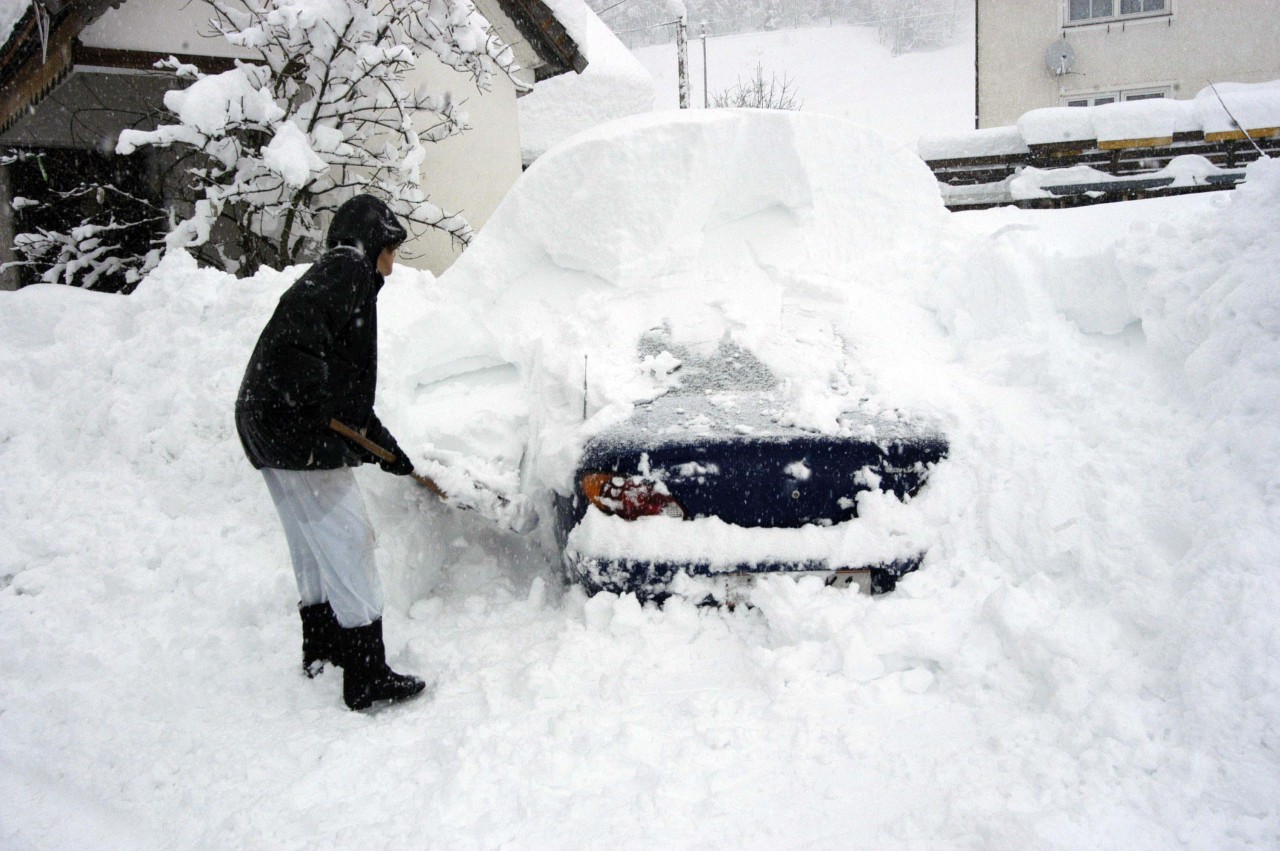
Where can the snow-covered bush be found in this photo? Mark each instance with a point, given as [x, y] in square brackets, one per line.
[759, 93]
[321, 114]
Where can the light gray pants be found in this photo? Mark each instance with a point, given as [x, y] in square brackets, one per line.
[330, 541]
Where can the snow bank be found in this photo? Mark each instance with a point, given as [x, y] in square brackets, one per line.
[613, 85]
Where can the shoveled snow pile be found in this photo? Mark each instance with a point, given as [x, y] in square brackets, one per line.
[1085, 659]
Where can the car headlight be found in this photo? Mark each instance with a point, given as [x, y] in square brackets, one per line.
[629, 497]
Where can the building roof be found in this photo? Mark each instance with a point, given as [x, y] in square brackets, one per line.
[545, 46]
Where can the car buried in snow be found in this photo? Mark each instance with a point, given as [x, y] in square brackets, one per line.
[716, 484]
[708, 329]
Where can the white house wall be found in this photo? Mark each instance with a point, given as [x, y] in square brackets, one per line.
[469, 173]
[157, 26]
[1202, 41]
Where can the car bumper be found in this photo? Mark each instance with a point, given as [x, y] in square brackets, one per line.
[645, 556]
[657, 580]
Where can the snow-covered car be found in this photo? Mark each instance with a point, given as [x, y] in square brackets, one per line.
[718, 447]
[692, 334]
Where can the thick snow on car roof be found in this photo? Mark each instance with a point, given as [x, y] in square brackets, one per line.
[750, 225]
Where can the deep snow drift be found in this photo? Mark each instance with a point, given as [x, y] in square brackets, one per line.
[1086, 658]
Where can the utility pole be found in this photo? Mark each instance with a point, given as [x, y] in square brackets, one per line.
[682, 58]
[705, 102]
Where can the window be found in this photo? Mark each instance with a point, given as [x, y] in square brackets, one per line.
[1141, 7]
[1092, 100]
[1095, 11]
[1103, 98]
[1083, 10]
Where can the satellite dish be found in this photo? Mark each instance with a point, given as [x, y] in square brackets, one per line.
[1060, 57]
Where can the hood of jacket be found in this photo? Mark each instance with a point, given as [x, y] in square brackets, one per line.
[366, 223]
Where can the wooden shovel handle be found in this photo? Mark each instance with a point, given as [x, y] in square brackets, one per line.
[386, 455]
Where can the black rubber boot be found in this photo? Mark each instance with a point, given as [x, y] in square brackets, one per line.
[321, 639]
[366, 679]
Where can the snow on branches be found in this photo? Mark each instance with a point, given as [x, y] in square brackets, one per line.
[322, 113]
[110, 248]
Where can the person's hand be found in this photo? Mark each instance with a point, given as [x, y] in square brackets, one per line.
[401, 466]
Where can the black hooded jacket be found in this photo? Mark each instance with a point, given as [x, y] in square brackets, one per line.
[317, 357]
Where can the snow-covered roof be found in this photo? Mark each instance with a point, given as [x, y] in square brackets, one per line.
[11, 11]
[545, 45]
[614, 85]
[1213, 112]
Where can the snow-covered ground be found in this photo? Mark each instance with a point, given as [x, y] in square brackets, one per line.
[1086, 658]
[843, 71]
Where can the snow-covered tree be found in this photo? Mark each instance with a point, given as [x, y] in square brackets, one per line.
[321, 114]
[771, 17]
[907, 25]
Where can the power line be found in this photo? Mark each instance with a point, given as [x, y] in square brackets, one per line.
[642, 29]
[614, 6]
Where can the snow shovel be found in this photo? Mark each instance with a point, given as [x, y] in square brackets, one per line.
[515, 515]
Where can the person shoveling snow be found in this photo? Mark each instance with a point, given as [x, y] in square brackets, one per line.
[315, 365]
